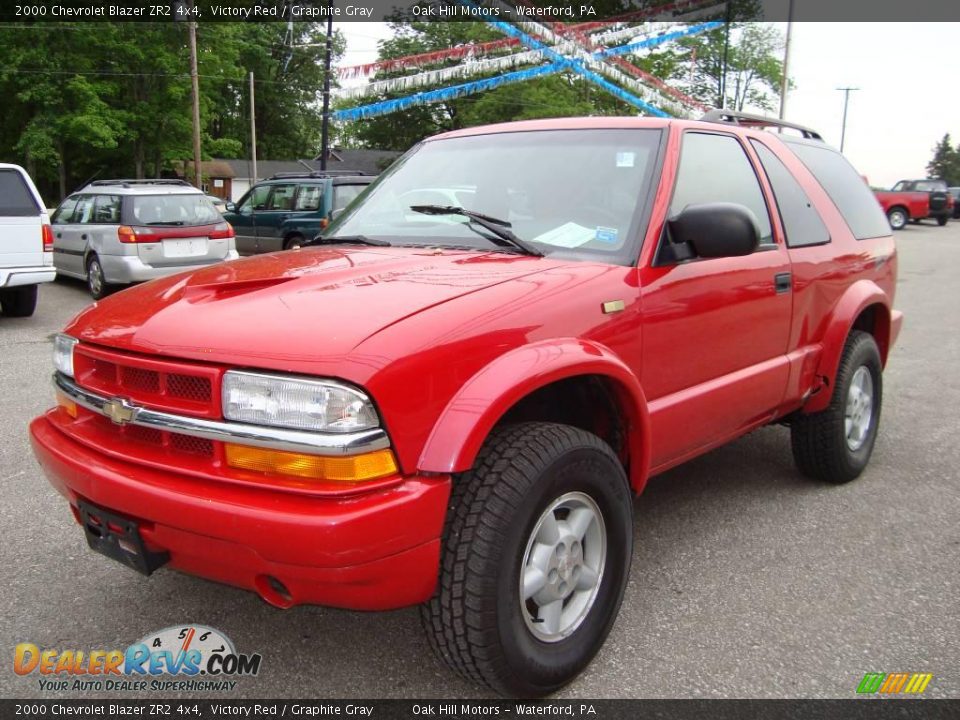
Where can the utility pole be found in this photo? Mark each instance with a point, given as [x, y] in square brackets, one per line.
[722, 103]
[846, 101]
[785, 82]
[325, 128]
[253, 132]
[195, 91]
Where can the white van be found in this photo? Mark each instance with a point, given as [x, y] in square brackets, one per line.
[26, 242]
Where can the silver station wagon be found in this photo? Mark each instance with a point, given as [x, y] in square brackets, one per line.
[117, 232]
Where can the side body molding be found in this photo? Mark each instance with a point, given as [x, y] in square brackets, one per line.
[855, 300]
[473, 412]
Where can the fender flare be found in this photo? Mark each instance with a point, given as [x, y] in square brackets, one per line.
[484, 399]
[858, 297]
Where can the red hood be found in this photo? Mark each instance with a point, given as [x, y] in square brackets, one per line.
[293, 309]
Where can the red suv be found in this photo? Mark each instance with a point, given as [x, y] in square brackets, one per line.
[454, 398]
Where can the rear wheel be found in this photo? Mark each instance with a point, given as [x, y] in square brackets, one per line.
[293, 242]
[535, 560]
[96, 281]
[897, 218]
[942, 220]
[19, 301]
[835, 444]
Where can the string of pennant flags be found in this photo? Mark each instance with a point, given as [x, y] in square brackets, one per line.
[579, 49]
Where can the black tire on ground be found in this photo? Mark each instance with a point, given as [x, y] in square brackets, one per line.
[821, 448]
[476, 621]
[294, 241]
[942, 220]
[96, 282]
[897, 217]
[19, 301]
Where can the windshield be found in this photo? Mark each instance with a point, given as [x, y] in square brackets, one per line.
[572, 193]
[173, 210]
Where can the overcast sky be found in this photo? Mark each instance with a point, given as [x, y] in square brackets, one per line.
[906, 73]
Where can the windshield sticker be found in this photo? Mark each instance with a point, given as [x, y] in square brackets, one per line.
[625, 159]
[569, 235]
[606, 235]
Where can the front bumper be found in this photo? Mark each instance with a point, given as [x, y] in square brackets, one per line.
[125, 269]
[374, 551]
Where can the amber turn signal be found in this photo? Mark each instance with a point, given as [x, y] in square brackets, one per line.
[67, 405]
[354, 468]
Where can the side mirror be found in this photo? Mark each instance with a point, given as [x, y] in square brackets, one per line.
[230, 207]
[713, 230]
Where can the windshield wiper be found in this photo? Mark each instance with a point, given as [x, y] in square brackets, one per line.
[348, 240]
[500, 228]
[168, 223]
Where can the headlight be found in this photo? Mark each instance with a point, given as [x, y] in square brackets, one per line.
[321, 405]
[63, 353]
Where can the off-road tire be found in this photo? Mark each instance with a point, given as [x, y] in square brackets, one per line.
[19, 301]
[474, 621]
[820, 448]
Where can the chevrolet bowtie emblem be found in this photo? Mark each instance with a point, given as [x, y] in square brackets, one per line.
[120, 411]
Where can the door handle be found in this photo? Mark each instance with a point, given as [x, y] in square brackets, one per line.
[783, 282]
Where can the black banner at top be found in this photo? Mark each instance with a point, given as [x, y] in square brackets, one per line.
[544, 11]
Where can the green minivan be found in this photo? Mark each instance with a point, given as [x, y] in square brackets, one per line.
[289, 209]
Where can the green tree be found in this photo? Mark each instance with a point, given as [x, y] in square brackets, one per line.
[946, 162]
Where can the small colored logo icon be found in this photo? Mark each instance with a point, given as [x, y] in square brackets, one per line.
[894, 683]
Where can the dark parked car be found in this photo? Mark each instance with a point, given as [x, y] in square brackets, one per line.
[289, 209]
[955, 191]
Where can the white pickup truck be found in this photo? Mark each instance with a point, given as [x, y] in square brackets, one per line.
[26, 242]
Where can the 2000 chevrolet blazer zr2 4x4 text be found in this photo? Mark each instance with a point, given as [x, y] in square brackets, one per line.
[453, 399]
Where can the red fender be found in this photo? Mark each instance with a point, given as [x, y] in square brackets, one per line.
[470, 416]
[858, 297]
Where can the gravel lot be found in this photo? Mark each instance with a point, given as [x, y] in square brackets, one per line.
[748, 580]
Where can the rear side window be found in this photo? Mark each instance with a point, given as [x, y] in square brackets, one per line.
[309, 197]
[106, 210]
[801, 221]
[16, 200]
[172, 210]
[715, 168]
[854, 200]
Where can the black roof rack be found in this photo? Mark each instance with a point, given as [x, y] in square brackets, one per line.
[749, 120]
[315, 174]
[127, 182]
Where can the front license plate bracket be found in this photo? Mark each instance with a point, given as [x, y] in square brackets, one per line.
[118, 538]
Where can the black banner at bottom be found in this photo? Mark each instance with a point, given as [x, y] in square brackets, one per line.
[872, 709]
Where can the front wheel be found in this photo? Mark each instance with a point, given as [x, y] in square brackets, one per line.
[835, 444]
[19, 301]
[897, 218]
[536, 555]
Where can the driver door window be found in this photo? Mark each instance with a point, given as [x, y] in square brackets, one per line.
[715, 168]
